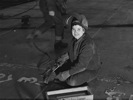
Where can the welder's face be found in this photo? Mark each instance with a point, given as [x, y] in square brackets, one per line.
[77, 31]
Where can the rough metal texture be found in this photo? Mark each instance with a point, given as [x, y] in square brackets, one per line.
[114, 44]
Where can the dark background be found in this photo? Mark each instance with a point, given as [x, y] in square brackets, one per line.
[8, 3]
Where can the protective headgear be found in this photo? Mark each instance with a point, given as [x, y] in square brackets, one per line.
[78, 18]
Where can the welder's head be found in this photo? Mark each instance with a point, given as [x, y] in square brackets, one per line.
[77, 29]
[78, 24]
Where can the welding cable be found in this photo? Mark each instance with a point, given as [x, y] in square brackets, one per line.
[35, 45]
[49, 60]
[39, 94]
[22, 12]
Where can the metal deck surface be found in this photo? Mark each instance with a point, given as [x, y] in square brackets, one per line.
[110, 24]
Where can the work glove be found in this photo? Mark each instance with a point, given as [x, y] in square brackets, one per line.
[51, 13]
[63, 76]
[63, 58]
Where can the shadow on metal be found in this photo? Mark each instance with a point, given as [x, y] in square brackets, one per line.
[91, 26]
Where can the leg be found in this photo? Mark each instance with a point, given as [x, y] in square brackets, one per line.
[48, 19]
[82, 77]
[59, 30]
[59, 26]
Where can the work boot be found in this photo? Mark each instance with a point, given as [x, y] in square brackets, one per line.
[60, 45]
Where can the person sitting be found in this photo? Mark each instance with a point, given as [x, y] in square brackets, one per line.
[81, 63]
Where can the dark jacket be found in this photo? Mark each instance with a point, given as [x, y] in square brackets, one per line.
[52, 5]
[57, 19]
[86, 57]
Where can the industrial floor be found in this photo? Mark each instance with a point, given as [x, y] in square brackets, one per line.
[110, 25]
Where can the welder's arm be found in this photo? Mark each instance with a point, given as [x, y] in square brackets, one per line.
[63, 58]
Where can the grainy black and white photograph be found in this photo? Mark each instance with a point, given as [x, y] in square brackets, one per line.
[66, 49]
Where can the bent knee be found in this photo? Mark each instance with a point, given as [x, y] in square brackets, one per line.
[72, 82]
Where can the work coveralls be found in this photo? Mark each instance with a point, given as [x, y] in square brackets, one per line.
[57, 19]
[83, 63]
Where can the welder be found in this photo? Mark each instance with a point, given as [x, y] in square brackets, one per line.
[81, 63]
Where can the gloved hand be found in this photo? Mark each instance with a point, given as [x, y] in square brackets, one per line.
[63, 58]
[35, 33]
[51, 13]
[63, 75]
